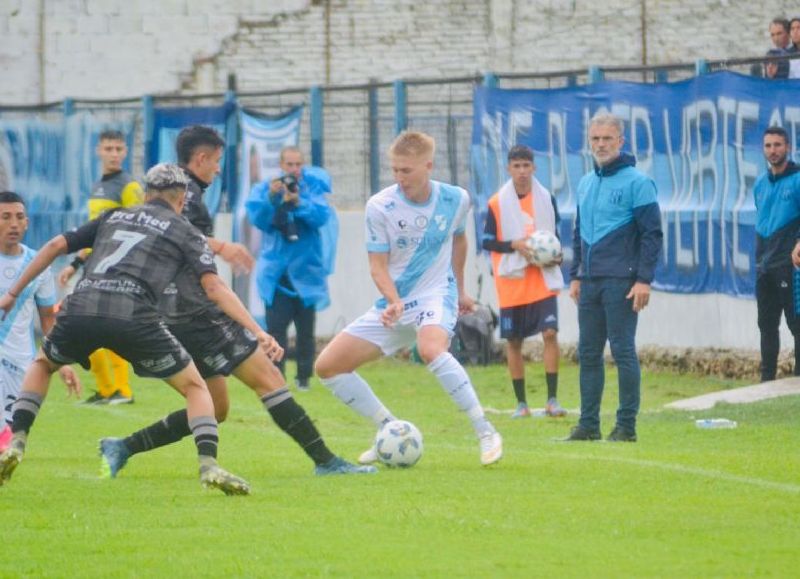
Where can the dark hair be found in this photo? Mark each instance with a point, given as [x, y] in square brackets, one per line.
[192, 138]
[111, 135]
[520, 153]
[782, 22]
[10, 197]
[778, 131]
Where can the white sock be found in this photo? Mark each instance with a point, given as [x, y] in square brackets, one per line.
[457, 384]
[356, 393]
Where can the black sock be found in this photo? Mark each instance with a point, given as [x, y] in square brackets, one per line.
[169, 429]
[293, 420]
[206, 435]
[519, 389]
[25, 410]
[552, 384]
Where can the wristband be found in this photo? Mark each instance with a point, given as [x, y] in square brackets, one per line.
[77, 263]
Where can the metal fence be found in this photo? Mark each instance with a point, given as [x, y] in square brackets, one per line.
[347, 129]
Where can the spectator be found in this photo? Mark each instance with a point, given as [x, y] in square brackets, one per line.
[295, 261]
[779, 33]
[616, 243]
[116, 188]
[527, 293]
[794, 47]
[777, 197]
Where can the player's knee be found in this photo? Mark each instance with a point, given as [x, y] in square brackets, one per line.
[550, 335]
[323, 369]
[429, 352]
[221, 412]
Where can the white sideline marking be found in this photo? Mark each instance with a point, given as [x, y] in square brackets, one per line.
[746, 394]
[713, 474]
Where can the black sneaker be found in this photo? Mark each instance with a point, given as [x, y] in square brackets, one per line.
[302, 384]
[118, 398]
[579, 434]
[621, 435]
[96, 399]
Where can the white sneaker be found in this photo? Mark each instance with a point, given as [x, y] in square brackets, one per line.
[369, 456]
[491, 448]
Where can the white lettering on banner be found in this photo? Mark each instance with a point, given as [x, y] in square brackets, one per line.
[520, 123]
[711, 169]
[727, 108]
[556, 138]
[791, 117]
[747, 112]
[640, 117]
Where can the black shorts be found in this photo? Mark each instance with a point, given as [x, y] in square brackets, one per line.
[522, 321]
[215, 342]
[149, 346]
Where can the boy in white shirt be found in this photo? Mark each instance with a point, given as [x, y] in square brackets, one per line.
[17, 345]
[417, 251]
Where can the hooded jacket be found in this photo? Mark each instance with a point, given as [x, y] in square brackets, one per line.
[307, 262]
[617, 224]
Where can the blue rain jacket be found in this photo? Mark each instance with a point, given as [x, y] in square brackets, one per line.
[306, 262]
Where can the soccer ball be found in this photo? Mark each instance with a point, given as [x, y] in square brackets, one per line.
[399, 443]
[545, 248]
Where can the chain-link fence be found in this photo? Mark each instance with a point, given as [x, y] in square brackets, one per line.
[358, 123]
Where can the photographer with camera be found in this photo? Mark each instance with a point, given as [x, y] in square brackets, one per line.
[295, 219]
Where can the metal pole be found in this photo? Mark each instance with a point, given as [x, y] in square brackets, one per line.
[374, 142]
[317, 127]
[400, 107]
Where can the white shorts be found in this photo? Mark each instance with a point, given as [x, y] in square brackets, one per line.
[11, 375]
[418, 312]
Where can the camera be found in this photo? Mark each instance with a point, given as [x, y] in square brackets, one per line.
[290, 182]
[284, 217]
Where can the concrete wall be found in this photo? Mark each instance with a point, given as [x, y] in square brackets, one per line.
[120, 48]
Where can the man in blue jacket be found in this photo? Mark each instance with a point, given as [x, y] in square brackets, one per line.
[293, 214]
[616, 242]
[777, 197]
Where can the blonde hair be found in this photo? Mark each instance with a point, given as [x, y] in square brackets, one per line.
[413, 144]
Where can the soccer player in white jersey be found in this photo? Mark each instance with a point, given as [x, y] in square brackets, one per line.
[17, 347]
[417, 251]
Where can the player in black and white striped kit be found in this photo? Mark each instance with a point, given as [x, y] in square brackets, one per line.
[136, 253]
[219, 345]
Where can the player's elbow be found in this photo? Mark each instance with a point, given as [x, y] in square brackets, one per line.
[213, 286]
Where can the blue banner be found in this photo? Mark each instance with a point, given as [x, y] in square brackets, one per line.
[263, 137]
[700, 140]
[53, 165]
[168, 122]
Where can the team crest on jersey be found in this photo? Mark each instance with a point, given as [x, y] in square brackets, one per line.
[402, 242]
[98, 192]
[786, 194]
[420, 222]
[206, 258]
[440, 221]
[616, 196]
[9, 273]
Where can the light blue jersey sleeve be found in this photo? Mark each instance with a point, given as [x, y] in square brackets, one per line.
[461, 217]
[46, 292]
[377, 235]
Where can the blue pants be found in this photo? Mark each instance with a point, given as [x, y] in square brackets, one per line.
[604, 314]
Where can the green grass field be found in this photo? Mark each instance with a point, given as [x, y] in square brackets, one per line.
[681, 502]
